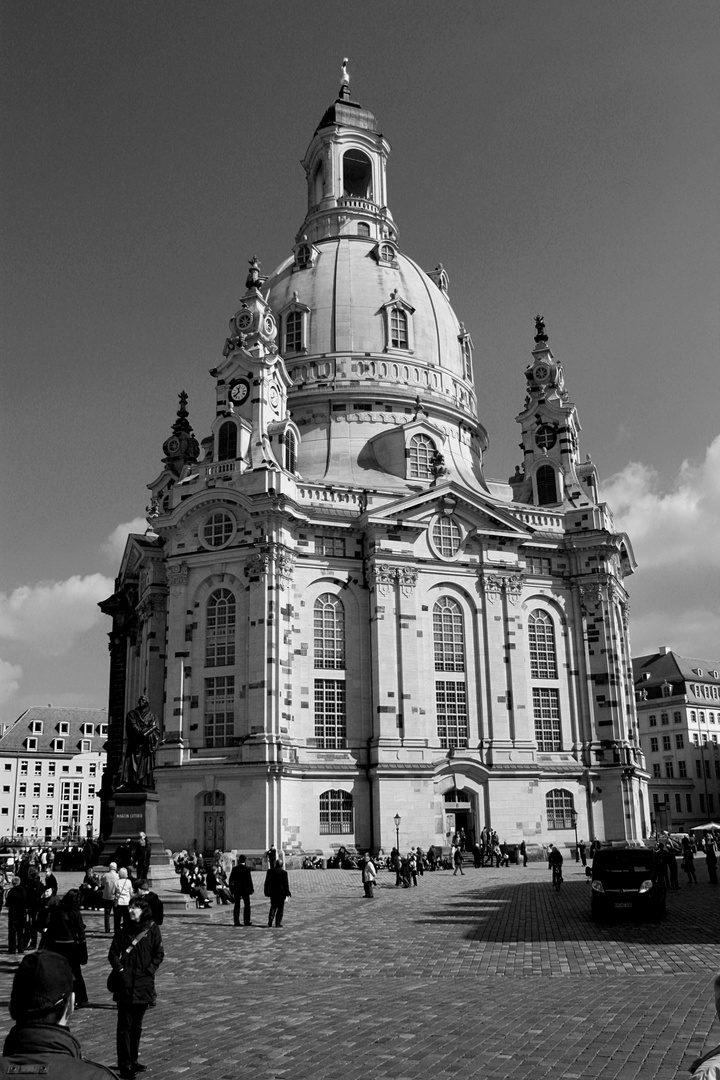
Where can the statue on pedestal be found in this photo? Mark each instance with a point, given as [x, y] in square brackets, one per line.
[142, 738]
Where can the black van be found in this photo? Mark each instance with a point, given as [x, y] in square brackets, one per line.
[630, 880]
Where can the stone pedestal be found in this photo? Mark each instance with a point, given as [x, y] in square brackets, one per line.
[136, 812]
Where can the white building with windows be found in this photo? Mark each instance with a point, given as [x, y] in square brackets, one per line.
[51, 763]
[678, 709]
[335, 615]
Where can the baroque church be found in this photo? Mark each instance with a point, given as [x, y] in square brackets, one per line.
[348, 633]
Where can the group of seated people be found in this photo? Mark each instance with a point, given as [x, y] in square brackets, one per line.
[203, 882]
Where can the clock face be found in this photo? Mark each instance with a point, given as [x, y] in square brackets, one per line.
[274, 397]
[173, 445]
[239, 391]
[269, 324]
[540, 373]
[243, 320]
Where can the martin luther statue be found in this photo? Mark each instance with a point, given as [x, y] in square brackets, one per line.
[142, 737]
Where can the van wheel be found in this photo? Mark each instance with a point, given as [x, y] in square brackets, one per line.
[596, 910]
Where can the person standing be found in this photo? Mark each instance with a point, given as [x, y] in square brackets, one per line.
[711, 859]
[523, 852]
[277, 889]
[108, 893]
[241, 886]
[142, 855]
[16, 904]
[135, 955]
[123, 895]
[369, 874]
[65, 934]
[689, 861]
[157, 908]
[41, 1004]
[582, 847]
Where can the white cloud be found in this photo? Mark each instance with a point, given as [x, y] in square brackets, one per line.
[10, 676]
[114, 546]
[52, 614]
[675, 593]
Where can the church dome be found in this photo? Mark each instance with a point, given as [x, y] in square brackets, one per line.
[351, 294]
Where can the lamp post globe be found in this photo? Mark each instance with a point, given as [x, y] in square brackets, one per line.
[397, 831]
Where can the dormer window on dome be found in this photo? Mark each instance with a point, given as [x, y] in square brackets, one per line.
[305, 255]
[421, 455]
[294, 321]
[398, 324]
[386, 253]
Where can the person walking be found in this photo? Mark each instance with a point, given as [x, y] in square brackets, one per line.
[108, 893]
[369, 874]
[123, 895]
[277, 889]
[41, 1004]
[457, 861]
[65, 934]
[689, 861]
[241, 886]
[135, 955]
[582, 847]
[16, 904]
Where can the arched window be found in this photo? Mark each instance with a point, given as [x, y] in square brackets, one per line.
[560, 809]
[421, 454]
[357, 175]
[329, 632]
[303, 256]
[448, 635]
[293, 332]
[227, 441]
[220, 629]
[290, 451]
[546, 481]
[541, 638]
[219, 710]
[398, 328]
[336, 812]
[213, 798]
[363, 229]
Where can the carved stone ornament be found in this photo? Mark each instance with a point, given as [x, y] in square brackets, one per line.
[285, 562]
[257, 564]
[407, 578]
[493, 587]
[590, 598]
[382, 577]
[513, 587]
[177, 577]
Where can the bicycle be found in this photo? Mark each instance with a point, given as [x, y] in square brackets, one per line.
[557, 878]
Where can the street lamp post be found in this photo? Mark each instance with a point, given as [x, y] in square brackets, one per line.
[397, 831]
[574, 825]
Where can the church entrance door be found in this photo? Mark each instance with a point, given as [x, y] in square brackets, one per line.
[214, 821]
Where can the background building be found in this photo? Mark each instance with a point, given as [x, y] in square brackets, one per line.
[51, 764]
[338, 618]
[678, 710]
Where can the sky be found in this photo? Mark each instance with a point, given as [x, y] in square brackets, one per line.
[557, 157]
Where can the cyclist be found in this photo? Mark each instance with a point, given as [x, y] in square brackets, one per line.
[555, 861]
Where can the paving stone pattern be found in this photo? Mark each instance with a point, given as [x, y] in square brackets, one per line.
[490, 975]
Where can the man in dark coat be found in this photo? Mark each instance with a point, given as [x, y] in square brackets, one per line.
[277, 888]
[41, 1005]
[16, 903]
[241, 886]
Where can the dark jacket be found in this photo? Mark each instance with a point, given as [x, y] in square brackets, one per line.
[138, 966]
[52, 1046]
[16, 902]
[65, 927]
[241, 882]
[277, 884]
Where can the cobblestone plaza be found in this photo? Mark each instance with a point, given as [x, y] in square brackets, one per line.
[488, 975]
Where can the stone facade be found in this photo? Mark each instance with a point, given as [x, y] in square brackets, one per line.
[337, 616]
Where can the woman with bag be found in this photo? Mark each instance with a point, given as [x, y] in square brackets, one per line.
[65, 934]
[123, 892]
[135, 955]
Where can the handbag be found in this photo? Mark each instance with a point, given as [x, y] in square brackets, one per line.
[115, 981]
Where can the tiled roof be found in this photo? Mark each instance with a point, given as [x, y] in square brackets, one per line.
[14, 739]
[673, 667]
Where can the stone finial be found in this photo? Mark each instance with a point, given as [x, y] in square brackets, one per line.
[345, 74]
[540, 335]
